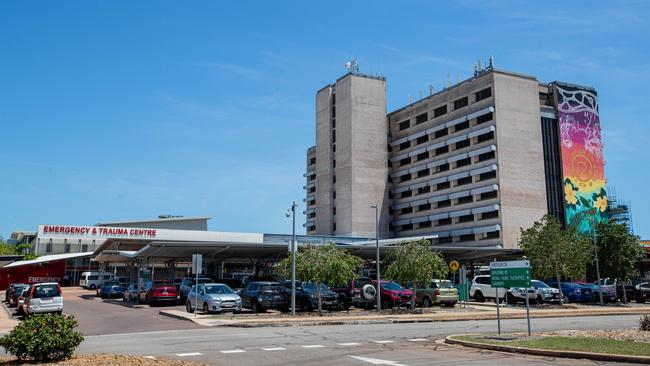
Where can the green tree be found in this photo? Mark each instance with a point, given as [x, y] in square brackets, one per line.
[619, 252]
[25, 250]
[6, 249]
[321, 264]
[555, 252]
[417, 262]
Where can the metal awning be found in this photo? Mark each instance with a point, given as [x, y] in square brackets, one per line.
[49, 258]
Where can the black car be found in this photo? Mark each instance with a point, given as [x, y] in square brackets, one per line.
[9, 292]
[262, 295]
[233, 283]
[17, 291]
[303, 300]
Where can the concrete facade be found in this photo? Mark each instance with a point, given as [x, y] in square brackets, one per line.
[466, 164]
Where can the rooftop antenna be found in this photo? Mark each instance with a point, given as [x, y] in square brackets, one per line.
[410, 99]
[352, 66]
[448, 81]
[420, 93]
[430, 89]
[491, 62]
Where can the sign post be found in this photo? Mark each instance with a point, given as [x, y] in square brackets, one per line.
[510, 274]
[197, 265]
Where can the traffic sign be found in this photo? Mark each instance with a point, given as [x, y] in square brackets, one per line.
[454, 265]
[510, 274]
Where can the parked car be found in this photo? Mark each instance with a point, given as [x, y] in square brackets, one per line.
[10, 289]
[303, 300]
[329, 298]
[188, 283]
[393, 294]
[642, 292]
[574, 292]
[99, 289]
[607, 296]
[609, 288]
[156, 292]
[92, 280]
[112, 290]
[213, 298]
[131, 293]
[21, 301]
[359, 293]
[44, 298]
[545, 293]
[263, 295]
[519, 294]
[16, 291]
[435, 292]
[481, 289]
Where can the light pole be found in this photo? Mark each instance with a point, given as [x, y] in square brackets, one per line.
[377, 245]
[593, 236]
[292, 212]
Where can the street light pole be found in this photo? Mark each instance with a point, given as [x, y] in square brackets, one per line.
[293, 258]
[377, 245]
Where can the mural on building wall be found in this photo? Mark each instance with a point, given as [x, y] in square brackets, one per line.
[583, 167]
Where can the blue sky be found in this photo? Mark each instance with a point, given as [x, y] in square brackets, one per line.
[121, 110]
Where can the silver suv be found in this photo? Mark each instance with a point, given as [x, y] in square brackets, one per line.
[44, 298]
[482, 290]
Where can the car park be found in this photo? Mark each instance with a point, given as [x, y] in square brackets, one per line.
[131, 293]
[157, 292]
[481, 289]
[189, 282]
[263, 295]
[213, 298]
[329, 298]
[112, 290]
[435, 292]
[360, 293]
[393, 294]
[44, 298]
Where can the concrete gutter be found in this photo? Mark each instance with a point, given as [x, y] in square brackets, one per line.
[550, 353]
[270, 321]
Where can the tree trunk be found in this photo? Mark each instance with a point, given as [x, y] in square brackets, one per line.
[624, 292]
[415, 291]
[559, 287]
[320, 303]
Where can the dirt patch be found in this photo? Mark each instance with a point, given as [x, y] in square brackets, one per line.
[630, 335]
[105, 360]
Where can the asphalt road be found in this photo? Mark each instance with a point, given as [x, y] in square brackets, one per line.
[389, 344]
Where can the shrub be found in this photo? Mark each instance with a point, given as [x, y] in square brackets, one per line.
[644, 323]
[47, 337]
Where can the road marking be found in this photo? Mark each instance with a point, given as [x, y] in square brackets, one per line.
[233, 351]
[418, 340]
[313, 346]
[376, 361]
[349, 344]
[189, 354]
[274, 349]
[150, 357]
[383, 342]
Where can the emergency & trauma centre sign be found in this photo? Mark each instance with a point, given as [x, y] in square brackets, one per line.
[96, 232]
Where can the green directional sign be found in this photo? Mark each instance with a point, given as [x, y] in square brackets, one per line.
[510, 274]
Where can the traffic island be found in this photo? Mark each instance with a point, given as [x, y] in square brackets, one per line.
[629, 346]
[105, 360]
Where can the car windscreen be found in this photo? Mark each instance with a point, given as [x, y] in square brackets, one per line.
[46, 291]
[218, 289]
[392, 286]
[312, 287]
[539, 284]
[446, 284]
[274, 287]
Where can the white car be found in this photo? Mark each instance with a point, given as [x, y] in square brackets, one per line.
[44, 298]
[213, 298]
[481, 289]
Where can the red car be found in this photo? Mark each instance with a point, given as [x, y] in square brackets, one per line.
[156, 292]
[393, 294]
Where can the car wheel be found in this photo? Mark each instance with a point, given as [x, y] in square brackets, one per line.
[539, 300]
[426, 302]
[206, 308]
[188, 307]
[450, 304]
[478, 296]
[386, 304]
[256, 308]
[306, 306]
[236, 312]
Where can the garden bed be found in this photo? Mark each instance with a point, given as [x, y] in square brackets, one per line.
[104, 360]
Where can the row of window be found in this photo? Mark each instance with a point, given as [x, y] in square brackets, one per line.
[442, 110]
[446, 203]
[446, 185]
[445, 131]
[424, 172]
[450, 221]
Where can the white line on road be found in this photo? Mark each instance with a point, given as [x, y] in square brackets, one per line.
[313, 346]
[233, 351]
[383, 342]
[150, 357]
[376, 361]
[418, 340]
[274, 349]
[189, 354]
[349, 344]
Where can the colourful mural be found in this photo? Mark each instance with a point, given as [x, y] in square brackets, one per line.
[582, 156]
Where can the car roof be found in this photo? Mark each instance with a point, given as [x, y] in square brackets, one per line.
[265, 283]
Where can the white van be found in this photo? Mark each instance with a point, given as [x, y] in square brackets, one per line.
[93, 280]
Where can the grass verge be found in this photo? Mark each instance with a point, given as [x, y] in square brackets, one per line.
[594, 345]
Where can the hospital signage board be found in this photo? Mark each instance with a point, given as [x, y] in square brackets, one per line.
[510, 274]
[96, 232]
